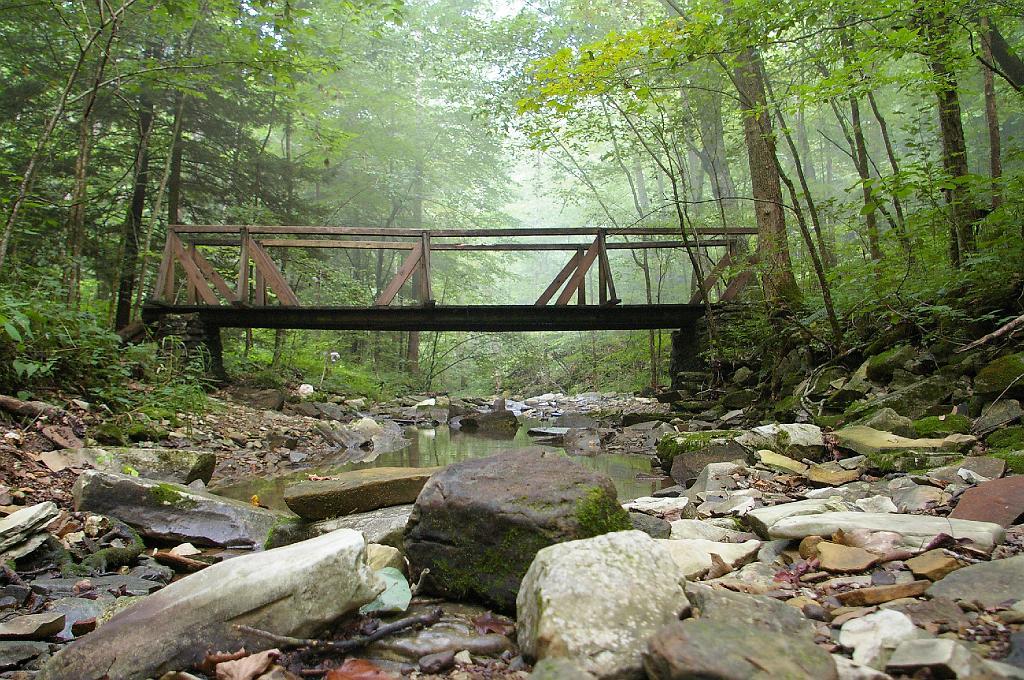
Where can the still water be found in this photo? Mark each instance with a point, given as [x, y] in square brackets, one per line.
[438, 446]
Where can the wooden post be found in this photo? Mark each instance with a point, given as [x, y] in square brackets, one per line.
[581, 292]
[426, 296]
[602, 270]
[242, 295]
[260, 296]
[191, 290]
[164, 290]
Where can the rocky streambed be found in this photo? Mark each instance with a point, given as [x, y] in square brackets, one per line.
[870, 545]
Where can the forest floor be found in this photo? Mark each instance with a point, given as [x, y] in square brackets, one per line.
[850, 538]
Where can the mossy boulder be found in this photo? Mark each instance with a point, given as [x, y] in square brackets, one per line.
[881, 366]
[478, 524]
[940, 426]
[671, 445]
[172, 512]
[1002, 377]
[913, 401]
[739, 399]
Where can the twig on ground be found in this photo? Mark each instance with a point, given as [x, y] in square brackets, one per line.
[998, 333]
[351, 644]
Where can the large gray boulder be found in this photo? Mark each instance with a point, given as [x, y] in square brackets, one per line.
[295, 590]
[478, 524]
[20, 529]
[165, 465]
[172, 511]
[988, 583]
[597, 601]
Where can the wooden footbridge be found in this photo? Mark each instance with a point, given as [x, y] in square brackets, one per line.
[262, 297]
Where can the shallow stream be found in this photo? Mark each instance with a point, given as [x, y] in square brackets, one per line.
[437, 446]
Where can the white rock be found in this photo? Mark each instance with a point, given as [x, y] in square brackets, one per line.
[917, 530]
[380, 556]
[660, 506]
[872, 636]
[295, 590]
[184, 550]
[305, 390]
[876, 504]
[694, 555]
[597, 601]
[427, 402]
[464, 658]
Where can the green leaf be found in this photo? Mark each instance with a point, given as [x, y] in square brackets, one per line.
[396, 596]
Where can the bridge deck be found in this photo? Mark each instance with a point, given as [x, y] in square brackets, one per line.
[497, 318]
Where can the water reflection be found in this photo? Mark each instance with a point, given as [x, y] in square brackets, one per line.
[443, 446]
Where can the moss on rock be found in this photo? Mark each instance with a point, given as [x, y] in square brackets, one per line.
[941, 426]
[600, 513]
[881, 366]
[1014, 459]
[1002, 376]
[1007, 438]
[671, 445]
[171, 494]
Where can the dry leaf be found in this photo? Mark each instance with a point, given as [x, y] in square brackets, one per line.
[358, 669]
[490, 623]
[249, 668]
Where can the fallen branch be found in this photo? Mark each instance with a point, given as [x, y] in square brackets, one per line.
[1008, 327]
[30, 409]
[178, 562]
[351, 644]
[62, 428]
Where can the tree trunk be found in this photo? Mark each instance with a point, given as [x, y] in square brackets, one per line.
[992, 117]
[773, 243]
[864, 171]
[897, 203]
[133, 222]
[964, 212]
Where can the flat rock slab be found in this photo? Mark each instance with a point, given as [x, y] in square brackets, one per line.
[357, 491]
[558, 615]
[478, 524]
[295, 590]
[984, 466]
[933, 565]
[385, 526]
[795, 440]
[987, 583]
[172, 511]
[843, 558]
[21, 525]
[917, 530]
[866, 597]
[1000, 501]
[32, 626]
[867, 441]
[763, 519]
[705, 648]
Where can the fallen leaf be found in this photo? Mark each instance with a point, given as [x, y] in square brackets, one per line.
[358, 669]
[247, 668]
[490, 623]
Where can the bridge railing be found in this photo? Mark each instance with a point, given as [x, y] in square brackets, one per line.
[259, 275]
